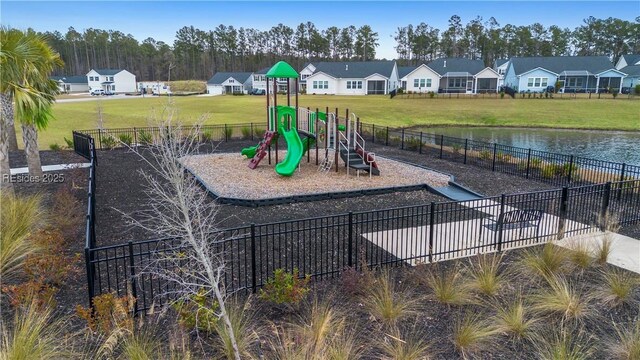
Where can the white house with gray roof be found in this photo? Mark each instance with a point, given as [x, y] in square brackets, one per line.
[571, 74]
[468, 76]
[230, 83]
[352, 77]
[630, 65]
[419, 79]
[112, 80]
[72, 84]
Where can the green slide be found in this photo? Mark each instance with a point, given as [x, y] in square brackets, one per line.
[250, 151]
[295, 149]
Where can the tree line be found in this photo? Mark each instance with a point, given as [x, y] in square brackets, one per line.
[198, 53]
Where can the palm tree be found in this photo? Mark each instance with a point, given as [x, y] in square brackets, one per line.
[26, 61]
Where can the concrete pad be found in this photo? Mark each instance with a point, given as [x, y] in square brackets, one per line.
[625, 251]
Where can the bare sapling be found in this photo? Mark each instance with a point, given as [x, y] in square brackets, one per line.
[192, 262]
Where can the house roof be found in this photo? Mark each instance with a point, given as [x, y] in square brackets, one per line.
[355, 69]
[405, 70]
[220, 77]
[456, 66]
[499, 62]
[560, 64]
[631, 70]
[631, 59]
[72, 79]
[107, 71]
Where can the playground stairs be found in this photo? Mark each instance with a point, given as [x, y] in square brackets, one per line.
[356, 161]
[261, 152]
[327, 163]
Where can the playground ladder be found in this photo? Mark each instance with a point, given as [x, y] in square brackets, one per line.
[327, 163]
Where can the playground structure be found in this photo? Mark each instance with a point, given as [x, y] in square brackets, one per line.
[304, 130]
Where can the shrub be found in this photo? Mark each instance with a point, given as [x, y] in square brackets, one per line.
[354, 282]
[448, 286]
[285, 287]
[126, 139]
[544, 262]
[503, 157]
[207, 136]
[603, 249]
[33, 335]
[580, 254]
[400, 91]
[381, 135]
[108, 142]
[562, 299]
[614, 93]
[55, 147]
[432, 94]
[241, 323]
[145, 138]
[20, 217]
[485, 155]
[258, 132]
[228, 132]
[535, 162]
[404, 346]
[388, 304]
[69, 143]
[471, 333]
[185, 86]
[626, 344]
[456, 148]
[34, 292]
[110, 313]
[501, 94]
[618, 286]
[413, 143]
[548, 172]
[563, 344]
[66, 212]
[485, 274]
[637, 89]
[246, 132]
[197, 312]
[513, 318]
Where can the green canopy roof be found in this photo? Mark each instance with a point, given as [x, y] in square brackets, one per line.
[282, 70]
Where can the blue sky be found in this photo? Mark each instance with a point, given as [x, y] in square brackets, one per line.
[161, 19]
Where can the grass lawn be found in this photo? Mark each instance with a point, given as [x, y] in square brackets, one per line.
[620, 114]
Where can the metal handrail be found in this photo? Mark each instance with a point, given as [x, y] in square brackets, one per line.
[342, 136]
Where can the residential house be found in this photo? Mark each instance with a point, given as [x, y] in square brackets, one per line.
[229, 83]
[565, 73]
[630, 65]
[306, 71]
[72, 84]
[353, 78]
[500, 66]
[418, 79]
[153, 87]
[460, 75]
[112, 80]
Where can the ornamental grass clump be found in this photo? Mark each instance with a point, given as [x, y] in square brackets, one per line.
[561, 298]
[404, 345]
[617, 287]
[448, 286]
[625, 345]
[472, 333]
[544, 262]
[514, 318]
[388, 304]
[485, 273]
[563, 344]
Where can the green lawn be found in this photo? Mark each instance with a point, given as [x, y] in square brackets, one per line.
[620, 114]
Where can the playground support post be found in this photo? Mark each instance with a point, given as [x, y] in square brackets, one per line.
[275, 112]
[268, 117]
[336, 140]
[298, 120]
[349, 129]
[317, 134]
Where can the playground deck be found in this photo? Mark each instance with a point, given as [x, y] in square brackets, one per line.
[227, 175]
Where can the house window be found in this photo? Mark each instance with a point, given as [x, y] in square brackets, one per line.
[304, 76]
[575, 82]
[111, 78]
[457, 83]
[325, 84]
[537, 81]
[420, 83]
[231, 81]
[351, 84]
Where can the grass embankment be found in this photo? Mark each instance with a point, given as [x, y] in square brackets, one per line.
[609, 114]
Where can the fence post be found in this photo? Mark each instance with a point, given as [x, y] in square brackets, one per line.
[387, 140]
[225, 132]
[622, 171]
[564, 201]
[373, 134]
[254, 286]
[251, 128]
[87, 261]
[432, 211]
[441, 144]
[402, 141]
[420, 144]
[604, 212]
[500, 220]
[350, 249]
[135, 137]
[493, 163]
[466, 143]
[528, 162]
[132, 272]
[100, 137]
[570, 171]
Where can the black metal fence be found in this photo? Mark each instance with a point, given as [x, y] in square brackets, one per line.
[324, 246]
[553, 168]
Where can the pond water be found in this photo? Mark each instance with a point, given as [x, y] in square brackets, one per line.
[617, 146]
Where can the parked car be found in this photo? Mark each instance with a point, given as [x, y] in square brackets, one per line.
[97, 92]
[109, 92]
[257, 92]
